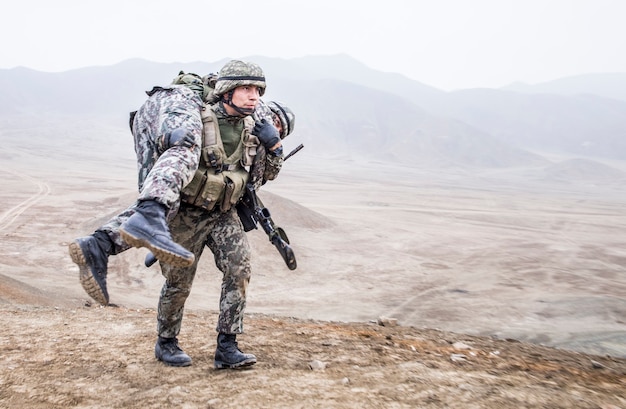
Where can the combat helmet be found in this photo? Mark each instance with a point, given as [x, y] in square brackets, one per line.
[237, 73]
[194, 82]
[286, 116]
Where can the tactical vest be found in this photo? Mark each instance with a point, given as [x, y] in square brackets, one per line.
[220, 180]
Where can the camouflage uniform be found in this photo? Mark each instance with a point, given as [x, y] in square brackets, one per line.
[112, 229]
[260, 173]
[194, 227]
[162, 172]
[272, 164]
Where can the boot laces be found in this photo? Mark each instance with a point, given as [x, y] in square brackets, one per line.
[231, 346]
[171, 346]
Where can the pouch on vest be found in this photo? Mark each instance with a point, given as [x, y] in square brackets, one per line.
[220, 179]
[212, 156]
[235, 183]
[250, 145]
[205, 190]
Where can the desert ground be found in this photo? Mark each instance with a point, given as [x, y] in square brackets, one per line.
[508, 287]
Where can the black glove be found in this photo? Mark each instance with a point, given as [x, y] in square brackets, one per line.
[267, 134]
[178, 137]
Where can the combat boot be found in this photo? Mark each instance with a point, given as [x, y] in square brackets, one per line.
[147, 227]
[228, 355]
[167, 351]
[91, 254]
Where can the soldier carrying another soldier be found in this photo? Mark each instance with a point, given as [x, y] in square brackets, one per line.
[209, 178]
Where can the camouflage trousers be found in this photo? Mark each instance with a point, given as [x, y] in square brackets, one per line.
[163, 170]
[195, 229]
[112, 229]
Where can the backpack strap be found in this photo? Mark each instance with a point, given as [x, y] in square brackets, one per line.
[250, 142]
[210, 127]
[210, 131]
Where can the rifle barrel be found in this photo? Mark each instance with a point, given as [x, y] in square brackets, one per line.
[293, 152]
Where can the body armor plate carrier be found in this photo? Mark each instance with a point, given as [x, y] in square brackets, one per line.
[220, 180]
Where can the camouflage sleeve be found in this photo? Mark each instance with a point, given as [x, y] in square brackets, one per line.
[264, 168]
[273, 165]
[262, 111]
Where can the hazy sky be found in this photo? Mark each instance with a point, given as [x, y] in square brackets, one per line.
[449, 44]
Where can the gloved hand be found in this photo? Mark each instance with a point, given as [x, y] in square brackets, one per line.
[267, 134]
[178, 137]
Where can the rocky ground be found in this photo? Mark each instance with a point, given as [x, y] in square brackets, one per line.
[95, 357]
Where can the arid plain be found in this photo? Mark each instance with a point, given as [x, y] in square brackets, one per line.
[517, 254]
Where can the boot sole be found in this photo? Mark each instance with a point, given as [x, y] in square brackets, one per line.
[164, 256]
[239, 365]
[176, 364]
[86, 278]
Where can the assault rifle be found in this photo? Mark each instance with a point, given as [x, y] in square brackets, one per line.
[252, 212]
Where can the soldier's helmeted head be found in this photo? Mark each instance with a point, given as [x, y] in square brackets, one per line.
[286, 119]
[236, 74]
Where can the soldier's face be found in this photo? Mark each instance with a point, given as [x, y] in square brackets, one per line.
[277, 124]
[246, 96]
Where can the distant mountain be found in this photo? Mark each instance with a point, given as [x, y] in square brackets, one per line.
[355, 119]
[345, 68]
[586, 125]
[344, 108]
[583, 170]
[609, 85]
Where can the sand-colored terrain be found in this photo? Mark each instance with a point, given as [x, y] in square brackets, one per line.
[469, 262]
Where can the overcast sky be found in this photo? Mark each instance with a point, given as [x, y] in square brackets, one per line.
[449, 44]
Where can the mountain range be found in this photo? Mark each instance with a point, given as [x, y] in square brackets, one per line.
[345, 109]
